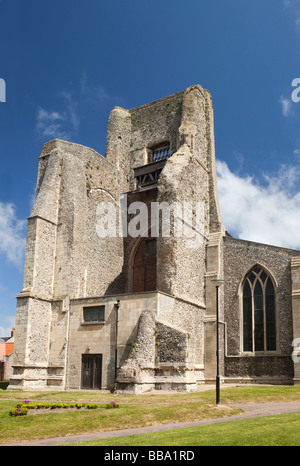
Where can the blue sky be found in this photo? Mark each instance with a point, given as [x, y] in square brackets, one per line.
[67, 63]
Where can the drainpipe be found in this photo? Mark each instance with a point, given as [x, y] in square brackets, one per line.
[117, 305]
[66, 305]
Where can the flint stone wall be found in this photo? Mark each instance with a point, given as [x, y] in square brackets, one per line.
[239, 258]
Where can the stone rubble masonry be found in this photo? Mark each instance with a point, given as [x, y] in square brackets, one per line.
[295, 272]
[276, 367]
[165, 338]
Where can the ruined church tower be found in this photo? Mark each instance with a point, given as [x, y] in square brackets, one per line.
[130, 307]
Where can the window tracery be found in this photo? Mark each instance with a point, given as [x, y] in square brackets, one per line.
[259, 319]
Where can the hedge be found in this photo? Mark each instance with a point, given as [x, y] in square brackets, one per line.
[22, 408]
[4, 384]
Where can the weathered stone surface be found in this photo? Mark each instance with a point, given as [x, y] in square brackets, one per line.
[165, 335]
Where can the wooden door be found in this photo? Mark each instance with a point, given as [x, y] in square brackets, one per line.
[91, 371]
[144, 266]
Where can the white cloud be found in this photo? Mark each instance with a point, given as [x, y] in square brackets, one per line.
[9, 322]
[59, 125]
[71, 109]
[95, 94]
[92, 93]
[50, 124]
[64, 121]
[290, 3]
[286, 106]
[293, 6]
[2, 288]
[266, 213]
[12, 235]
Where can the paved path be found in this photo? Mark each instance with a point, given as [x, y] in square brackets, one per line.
[251, 410]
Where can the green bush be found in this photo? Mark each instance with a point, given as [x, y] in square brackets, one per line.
[22, 408]
[3, 385]
[112, 405]
[19, 411]
[92, 406]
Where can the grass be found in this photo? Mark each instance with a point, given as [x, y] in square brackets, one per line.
[54, 424]
[134, 411]
[282, 430]
[240, 394]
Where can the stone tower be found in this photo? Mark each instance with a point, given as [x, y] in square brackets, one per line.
[120, 254]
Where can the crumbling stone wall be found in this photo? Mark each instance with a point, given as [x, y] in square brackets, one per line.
[138, 370]
[68, 263]
[66, 259]
[171, 344]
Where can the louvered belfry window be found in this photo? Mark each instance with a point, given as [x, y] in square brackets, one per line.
[157, 157]
[160, 153]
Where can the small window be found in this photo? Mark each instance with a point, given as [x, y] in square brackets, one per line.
[150, 247]
[160, 152]
[94, 314]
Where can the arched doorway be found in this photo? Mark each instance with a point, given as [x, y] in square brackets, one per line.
[144, 266]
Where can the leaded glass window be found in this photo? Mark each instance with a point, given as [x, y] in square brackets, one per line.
[93, 314]
[259, 322]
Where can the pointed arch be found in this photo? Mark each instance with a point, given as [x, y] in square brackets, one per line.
[264, 268]
[258, 299]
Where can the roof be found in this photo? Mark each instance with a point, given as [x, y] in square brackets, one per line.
[4, 339]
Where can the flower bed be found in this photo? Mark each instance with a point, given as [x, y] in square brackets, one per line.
[22, 409]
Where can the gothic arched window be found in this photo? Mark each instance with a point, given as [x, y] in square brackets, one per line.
[259, 323]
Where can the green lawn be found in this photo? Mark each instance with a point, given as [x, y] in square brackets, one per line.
[134, 411]
[282, 430]
[240, 394]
